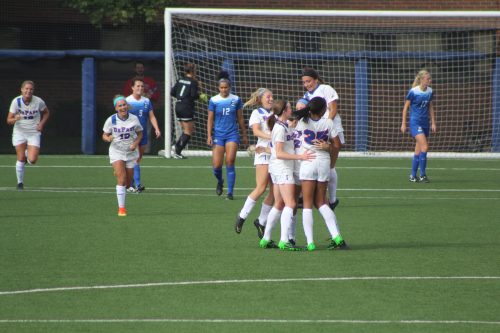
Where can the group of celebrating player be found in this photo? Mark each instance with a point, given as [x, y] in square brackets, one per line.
[296, 151]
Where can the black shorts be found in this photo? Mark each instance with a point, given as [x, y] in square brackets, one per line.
[184, 113]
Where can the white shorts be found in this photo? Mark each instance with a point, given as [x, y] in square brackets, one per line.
[129, 157]
[341, 137]
[33, 138]
[261, 158]
[285, 177]
[317, 169]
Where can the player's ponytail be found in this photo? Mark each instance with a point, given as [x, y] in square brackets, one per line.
[256, 97]
[419, 76]
[278, 108]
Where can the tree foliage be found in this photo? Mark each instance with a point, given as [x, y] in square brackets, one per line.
[118, 12]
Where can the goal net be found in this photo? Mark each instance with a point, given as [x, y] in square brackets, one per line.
[369, 58]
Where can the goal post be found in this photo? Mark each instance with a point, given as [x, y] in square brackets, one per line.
[369, 57]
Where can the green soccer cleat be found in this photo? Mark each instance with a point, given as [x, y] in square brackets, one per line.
[287, 246]
[267, 244]
[338, 243]
[311, 247]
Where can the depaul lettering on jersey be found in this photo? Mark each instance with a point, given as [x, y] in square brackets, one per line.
[297, 142]
[123, 129]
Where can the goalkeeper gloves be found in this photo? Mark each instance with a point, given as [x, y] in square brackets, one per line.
[203, 98]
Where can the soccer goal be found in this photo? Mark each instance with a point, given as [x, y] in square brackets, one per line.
[369, 57]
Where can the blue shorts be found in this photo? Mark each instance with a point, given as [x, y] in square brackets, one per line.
[221, 140]
[418, 129]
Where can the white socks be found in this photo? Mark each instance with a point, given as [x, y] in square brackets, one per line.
[20, 171]
[330, 220]
[264, 212]
[332, 185]
[307, 223]
[120, 195]
[247, 208]
[291, 229]
[286, 220]
[273, 216]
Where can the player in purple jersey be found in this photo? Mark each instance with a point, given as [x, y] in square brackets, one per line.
[419, 103]
[224, 115]
[28, 114]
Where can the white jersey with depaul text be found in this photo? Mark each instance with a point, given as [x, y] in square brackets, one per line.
[321, 129]
[30, 113]
[281, 133]
[124, 132]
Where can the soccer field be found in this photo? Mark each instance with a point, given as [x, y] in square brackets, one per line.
[422, 258]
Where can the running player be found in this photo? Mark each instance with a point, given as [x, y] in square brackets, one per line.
[28, 114]
[142, 108]
[419, 102]
[124, 131]
[263, 98]
[224, 115]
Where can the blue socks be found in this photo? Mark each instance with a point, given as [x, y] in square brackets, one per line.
[231, 178]
[423, 163]
[218, 174]
[137, 175]
[414, 165]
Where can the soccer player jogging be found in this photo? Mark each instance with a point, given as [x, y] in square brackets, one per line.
[142, 108]
[28, 114]
[124, 131]
[316, 88]
[224, 115]
[281, 167]
[419, 102]
[186, 92]
[263, 98]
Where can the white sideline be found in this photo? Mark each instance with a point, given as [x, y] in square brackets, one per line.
[211, 282]
[246, 321]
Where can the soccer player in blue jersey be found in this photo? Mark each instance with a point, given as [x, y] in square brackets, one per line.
[224, 115]
[419, 102]
[141, 107]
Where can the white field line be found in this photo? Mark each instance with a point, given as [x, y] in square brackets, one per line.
[245, 281]
[181, 167]
[248, 321]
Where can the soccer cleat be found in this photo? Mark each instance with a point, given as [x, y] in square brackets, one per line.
[413, 179]
[267, 244]
[238, 225]
[178, 156]
[219, 188]
[20, 186]
[292, 241]
[300, 203]
[260, 228]
[131, 189]
[423, 179]
[287, 246]
[334, 204]
[140, 188]
[311, 247]
[122, 211]
[338, 243]
[229, 196]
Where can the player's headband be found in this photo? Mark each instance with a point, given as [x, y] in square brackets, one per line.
[117, 99]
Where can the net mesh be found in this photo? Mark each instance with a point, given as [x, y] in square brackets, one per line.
[271, 51]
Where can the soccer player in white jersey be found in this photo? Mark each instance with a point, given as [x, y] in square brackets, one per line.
[419, 102]
[281, 167]
[123, 131]
[316, 88]
[263, 98]
[28, 114]
[142, 108]
[317, 130]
